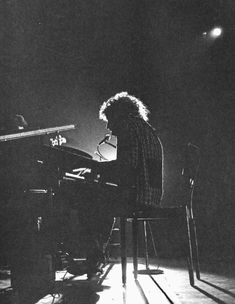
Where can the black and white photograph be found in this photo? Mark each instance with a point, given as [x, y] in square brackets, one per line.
[117, 151]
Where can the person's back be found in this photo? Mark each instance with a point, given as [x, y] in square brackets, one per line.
[148, 163]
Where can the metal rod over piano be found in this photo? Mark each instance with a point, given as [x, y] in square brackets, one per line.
[38, 132]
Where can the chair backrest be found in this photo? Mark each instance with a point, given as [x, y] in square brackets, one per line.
[180, 173]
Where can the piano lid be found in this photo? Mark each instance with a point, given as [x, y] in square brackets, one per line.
[65, 159]
[39, 132]
[74, 151]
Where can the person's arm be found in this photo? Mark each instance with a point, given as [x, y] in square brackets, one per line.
[123, 169]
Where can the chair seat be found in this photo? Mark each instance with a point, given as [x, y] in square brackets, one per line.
[154, 213]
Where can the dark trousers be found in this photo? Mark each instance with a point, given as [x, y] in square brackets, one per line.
[96, 206]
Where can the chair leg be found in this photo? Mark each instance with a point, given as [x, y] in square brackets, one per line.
[123, 248]
[195, 247]
[189, 255]
[146, 245]
[135, 246]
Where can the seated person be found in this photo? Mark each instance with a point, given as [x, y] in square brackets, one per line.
[137, 171]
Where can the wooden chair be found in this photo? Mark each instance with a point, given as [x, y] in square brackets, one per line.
[182, 211]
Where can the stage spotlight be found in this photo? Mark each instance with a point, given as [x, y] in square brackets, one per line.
[216, 32]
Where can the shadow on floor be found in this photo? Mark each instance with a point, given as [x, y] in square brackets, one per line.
[219, 288]
[207, 294]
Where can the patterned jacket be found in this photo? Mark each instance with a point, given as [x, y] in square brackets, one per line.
[139, 161]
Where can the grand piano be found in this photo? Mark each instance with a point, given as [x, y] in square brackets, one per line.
[33, 172]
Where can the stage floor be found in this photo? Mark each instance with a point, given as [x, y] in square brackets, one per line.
[217, 285]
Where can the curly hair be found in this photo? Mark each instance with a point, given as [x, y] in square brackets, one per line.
[122, 104]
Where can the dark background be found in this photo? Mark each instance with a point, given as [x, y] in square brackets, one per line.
[59, 60]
